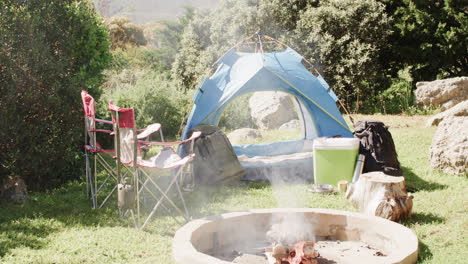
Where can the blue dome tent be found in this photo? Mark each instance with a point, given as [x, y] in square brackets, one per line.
[240, 73]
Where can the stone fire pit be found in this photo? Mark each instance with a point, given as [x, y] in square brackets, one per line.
[342, 237]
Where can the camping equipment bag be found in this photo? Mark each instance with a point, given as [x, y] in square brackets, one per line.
[215, 161]
[378, 147]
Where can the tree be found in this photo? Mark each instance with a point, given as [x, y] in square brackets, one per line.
[50, 50]
[209, 35]
[344, 40]
[430, 37]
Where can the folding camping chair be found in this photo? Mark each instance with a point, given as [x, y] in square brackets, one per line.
[100, 156]
[129, 145]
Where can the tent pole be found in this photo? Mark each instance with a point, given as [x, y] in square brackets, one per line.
[233, 47]
[347, 112]
[316, 104]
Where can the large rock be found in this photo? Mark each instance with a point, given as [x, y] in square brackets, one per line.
[271, 109]
[449, 149]
[460, 109]
[293, 124]
[242, 135]
[446, 92]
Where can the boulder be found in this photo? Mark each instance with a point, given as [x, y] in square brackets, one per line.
[270, 110]
[293, 124]
[240, 136]
[449, 149]
[460, 109]
[446, 93]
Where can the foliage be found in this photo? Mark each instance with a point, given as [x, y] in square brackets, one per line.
[237, 114]
[344, 39]
[168, 39]
[396, 99]
[280, 17]
[124, 33]
[139, 79]
[431, 37]
[50, 50]
[154, 98]
[208, 35]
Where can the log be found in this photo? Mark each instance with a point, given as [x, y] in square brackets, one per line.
[376, 193]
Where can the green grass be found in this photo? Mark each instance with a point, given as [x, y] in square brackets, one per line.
[60, 226]
[274, 135]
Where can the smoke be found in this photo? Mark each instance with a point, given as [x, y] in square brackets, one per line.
[289, 228]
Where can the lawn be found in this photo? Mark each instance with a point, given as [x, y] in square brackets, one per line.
[60, 227]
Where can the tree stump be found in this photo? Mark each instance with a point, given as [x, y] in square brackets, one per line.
[376, 193]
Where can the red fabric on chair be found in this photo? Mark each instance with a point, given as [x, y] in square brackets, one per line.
[88, 104]
[126, 117]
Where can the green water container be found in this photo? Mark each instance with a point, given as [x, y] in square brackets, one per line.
[334, 159]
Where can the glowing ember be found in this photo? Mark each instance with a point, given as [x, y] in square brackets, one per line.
[302, 252]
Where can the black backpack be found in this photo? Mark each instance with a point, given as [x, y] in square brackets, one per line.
[215, 162]
[378, 147]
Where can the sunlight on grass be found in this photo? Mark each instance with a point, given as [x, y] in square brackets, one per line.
[61, 227]
[273, 135]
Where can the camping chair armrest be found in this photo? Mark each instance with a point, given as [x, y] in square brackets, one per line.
[101, 130]
[149, 130]
[103, 121]
[194, 136]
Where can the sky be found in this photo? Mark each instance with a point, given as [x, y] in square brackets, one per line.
[147, 11]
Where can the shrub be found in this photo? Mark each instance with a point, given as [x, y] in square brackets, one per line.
[50, 50]
[154, 98]
[124, 33]
[237, 114]
[396, 99]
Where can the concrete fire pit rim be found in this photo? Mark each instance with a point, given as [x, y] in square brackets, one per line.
[182, 241]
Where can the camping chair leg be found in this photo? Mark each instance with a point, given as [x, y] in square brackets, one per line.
[143, 186]
[135, 222]
[106, 179]
[164, 193]
[89, 182]
[152, 212]
[164, 196]
[93, 194]
[187, 215]
[103, 183]
[107, 167]
[95, 176]
[108, 196]
[87, 174]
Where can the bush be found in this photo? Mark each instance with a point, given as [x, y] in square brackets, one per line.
[237, 114]
[396, 99]
[51, 49]
[154, 98]
[124, 33]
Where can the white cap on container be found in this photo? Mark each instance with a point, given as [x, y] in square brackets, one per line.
[336, 143]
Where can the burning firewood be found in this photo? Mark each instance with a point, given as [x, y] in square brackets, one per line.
[302, 252]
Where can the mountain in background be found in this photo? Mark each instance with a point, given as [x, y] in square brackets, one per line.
[147, 11]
